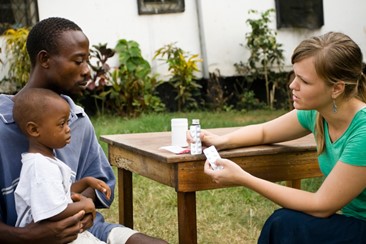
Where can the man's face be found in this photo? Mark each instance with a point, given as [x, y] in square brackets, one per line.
[69, 71]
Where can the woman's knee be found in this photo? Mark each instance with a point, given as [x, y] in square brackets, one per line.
[281, 227]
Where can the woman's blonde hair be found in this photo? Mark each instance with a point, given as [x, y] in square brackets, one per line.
[336, 58]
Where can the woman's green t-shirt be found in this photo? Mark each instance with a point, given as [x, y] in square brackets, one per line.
[350, 148]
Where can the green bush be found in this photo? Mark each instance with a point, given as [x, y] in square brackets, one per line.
[266, 54]
[17, 56]
[183, 80]
[133, 88]
[128, 90]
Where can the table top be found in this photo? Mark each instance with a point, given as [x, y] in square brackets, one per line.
[148, 144]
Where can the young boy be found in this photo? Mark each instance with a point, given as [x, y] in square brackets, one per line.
[45, 185]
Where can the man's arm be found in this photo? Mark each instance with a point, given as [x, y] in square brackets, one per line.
[44, 232]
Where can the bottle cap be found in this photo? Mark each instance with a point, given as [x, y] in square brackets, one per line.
[179, 122]
[195, 121]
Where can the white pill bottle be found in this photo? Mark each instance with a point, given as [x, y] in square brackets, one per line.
[179, 128]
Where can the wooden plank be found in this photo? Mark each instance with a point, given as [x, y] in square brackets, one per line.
[279, 167]
[187, 219]
[189, 176]
[148, 167]
[125, 199]
[148, 144]
[294, 184]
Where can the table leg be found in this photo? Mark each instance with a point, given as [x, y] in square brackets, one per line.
[125, 201]
[294, 184]
[187, 220]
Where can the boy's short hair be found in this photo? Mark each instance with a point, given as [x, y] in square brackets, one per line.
[31, 104]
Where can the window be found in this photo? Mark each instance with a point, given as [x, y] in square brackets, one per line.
[301, 14]
[160, 6]
[18, 13]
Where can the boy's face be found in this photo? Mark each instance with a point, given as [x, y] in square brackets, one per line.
[54, 131]
[68, 70]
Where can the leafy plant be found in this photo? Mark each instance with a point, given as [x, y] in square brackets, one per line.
[17, 56]
[101, 68]
[100, 77]
[265, 52]
[215, 93]
[132, 87]
[247, 101]
[182, 67]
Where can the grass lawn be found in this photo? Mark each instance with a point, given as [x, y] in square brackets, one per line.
[230, 215]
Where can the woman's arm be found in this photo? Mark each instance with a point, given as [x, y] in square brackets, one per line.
[343, 184]
[284, 128]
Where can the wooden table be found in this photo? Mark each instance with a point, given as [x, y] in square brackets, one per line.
[139, 153]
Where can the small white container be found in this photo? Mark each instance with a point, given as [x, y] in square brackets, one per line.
[179, 128]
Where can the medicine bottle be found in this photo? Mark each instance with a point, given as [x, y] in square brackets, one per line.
[195, 130]
[179, 127]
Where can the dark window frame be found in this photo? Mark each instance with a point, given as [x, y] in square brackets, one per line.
[18, 13]
[148, 7]
[307, 14]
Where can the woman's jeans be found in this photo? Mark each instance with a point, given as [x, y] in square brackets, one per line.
[286, 226]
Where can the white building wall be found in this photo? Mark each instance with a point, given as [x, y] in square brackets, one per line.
[223, 24]
[225, 28]
[108, 21]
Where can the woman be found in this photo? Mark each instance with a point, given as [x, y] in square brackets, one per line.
[329, 94]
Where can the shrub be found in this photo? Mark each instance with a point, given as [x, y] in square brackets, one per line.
[265, 53]
[183, 80]
[133, 88]
[127, 90]
[17, 56]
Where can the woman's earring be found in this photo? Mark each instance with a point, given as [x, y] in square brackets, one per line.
[335, 109]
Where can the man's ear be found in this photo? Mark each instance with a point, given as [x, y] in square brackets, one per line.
[32, 129]
[43, 59]
[338, 89]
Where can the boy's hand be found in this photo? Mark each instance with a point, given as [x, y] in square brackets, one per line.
[100, 186]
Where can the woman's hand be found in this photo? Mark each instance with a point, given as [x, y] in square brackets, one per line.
[231, 173]
[207, 139]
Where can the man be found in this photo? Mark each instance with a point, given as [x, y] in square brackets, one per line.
[58, 51]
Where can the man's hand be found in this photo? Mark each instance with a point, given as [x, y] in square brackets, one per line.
[63, 231]
[90, 212]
